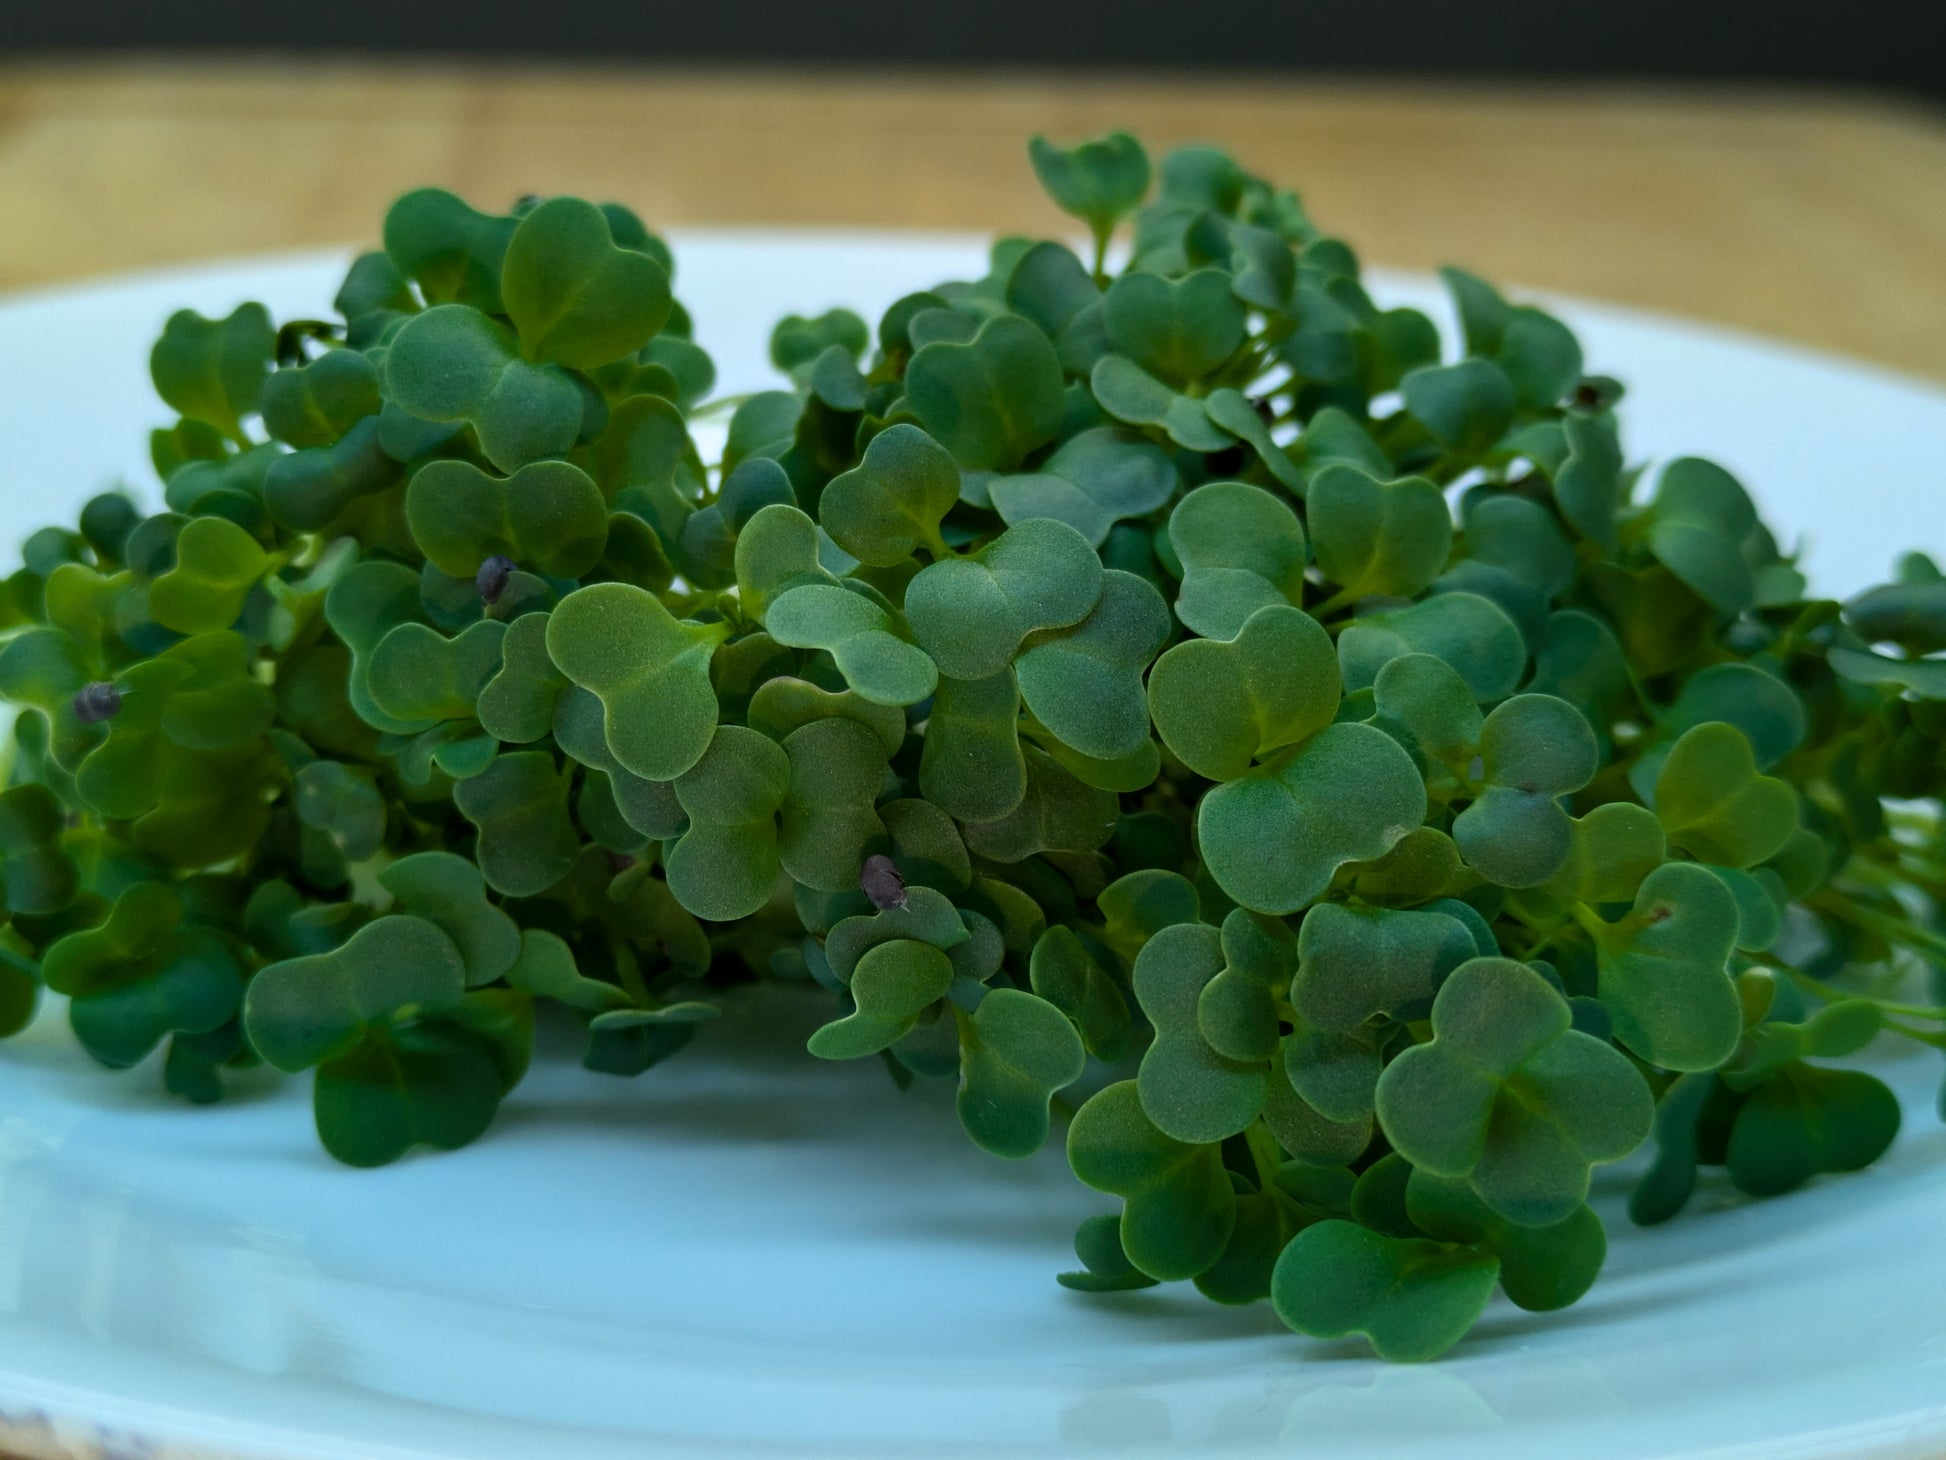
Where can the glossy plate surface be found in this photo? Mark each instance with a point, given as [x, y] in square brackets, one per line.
[746, 1252]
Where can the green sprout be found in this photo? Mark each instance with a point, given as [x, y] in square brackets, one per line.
[1315, 778]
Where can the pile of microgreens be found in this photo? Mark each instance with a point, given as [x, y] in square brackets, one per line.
[1177, 681]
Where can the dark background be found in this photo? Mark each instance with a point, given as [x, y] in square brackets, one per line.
[1891, 45]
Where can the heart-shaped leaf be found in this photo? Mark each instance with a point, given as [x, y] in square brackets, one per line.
[1465, 407]
[1092, 481]
[1085, 683]
[549, 517]
[891, 502]
[1698, 524]
[972, 766]
[1068, 976]
[527, 841]
[517, 703]
[649, 669]
[990, 400]
[217, 564]
[316, 404]
[436, 1081]
[1534, 749]
[452, 252]
[576, 298]
[892, 984]
[1715, 805]
[37, 876]
[1178, 329]
[1374, 537]
[1099, 181]
[300, 1011]
[1355, 963]
[1221, 705]
[1541, 1268]
[1130, 394]
[970, 614]
[1105, 1267]
[1412, 1298]
[860, 636]
[1472, 634]
[213, 370]
[454, 364]
[1178, 1205]
[1016, 1051]
[1191, 1091]
[1509, 1097]
[309, 490]
[141, 975]
[1613, 848]
[418, 676]
[1274, 838]
[837, 769]
[449, 892]
[1241, 549]
[1664, 977]
[1806, 1119]
[725, 865]
[1238, 1011]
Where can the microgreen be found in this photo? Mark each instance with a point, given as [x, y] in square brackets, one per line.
[1381, 798]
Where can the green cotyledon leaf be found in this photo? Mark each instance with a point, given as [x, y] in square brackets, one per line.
[37, 874]
[1412, 1298]
[217, 563]
[1664, 969]
[1274, 838]
[1376, 537]
[548, 517]
[577, 297]
[970, 614]
[989, 400]
[1178, 1205]
[1220, 704]
[1084, 683]
[1099, 181]
[1241, 549]
[893, 500]
[1713, 802]
[455, 364]
[1534, 749]
[861, 636]
[1190, 1090]
[649, 669]
[212, 370]
[141, 975]
[1511, 1099]
[1016, 1051]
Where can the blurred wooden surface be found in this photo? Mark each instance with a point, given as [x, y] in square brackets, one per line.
[1819, 218]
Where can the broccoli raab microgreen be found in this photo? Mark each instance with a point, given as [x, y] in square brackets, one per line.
[1185, 683]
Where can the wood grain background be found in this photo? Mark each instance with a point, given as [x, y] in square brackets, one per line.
[1817, 217]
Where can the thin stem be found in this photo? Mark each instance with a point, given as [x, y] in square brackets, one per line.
[1907, 935]
[1343, 598]
[1590, 921]
[1832, 993]
[720, 404]
[936, 545]
[1935, 1038]
[1552, 936]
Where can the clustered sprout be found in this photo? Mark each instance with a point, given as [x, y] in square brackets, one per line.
[1380, 799]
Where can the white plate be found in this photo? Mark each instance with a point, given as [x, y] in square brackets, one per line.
[747, 1252]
